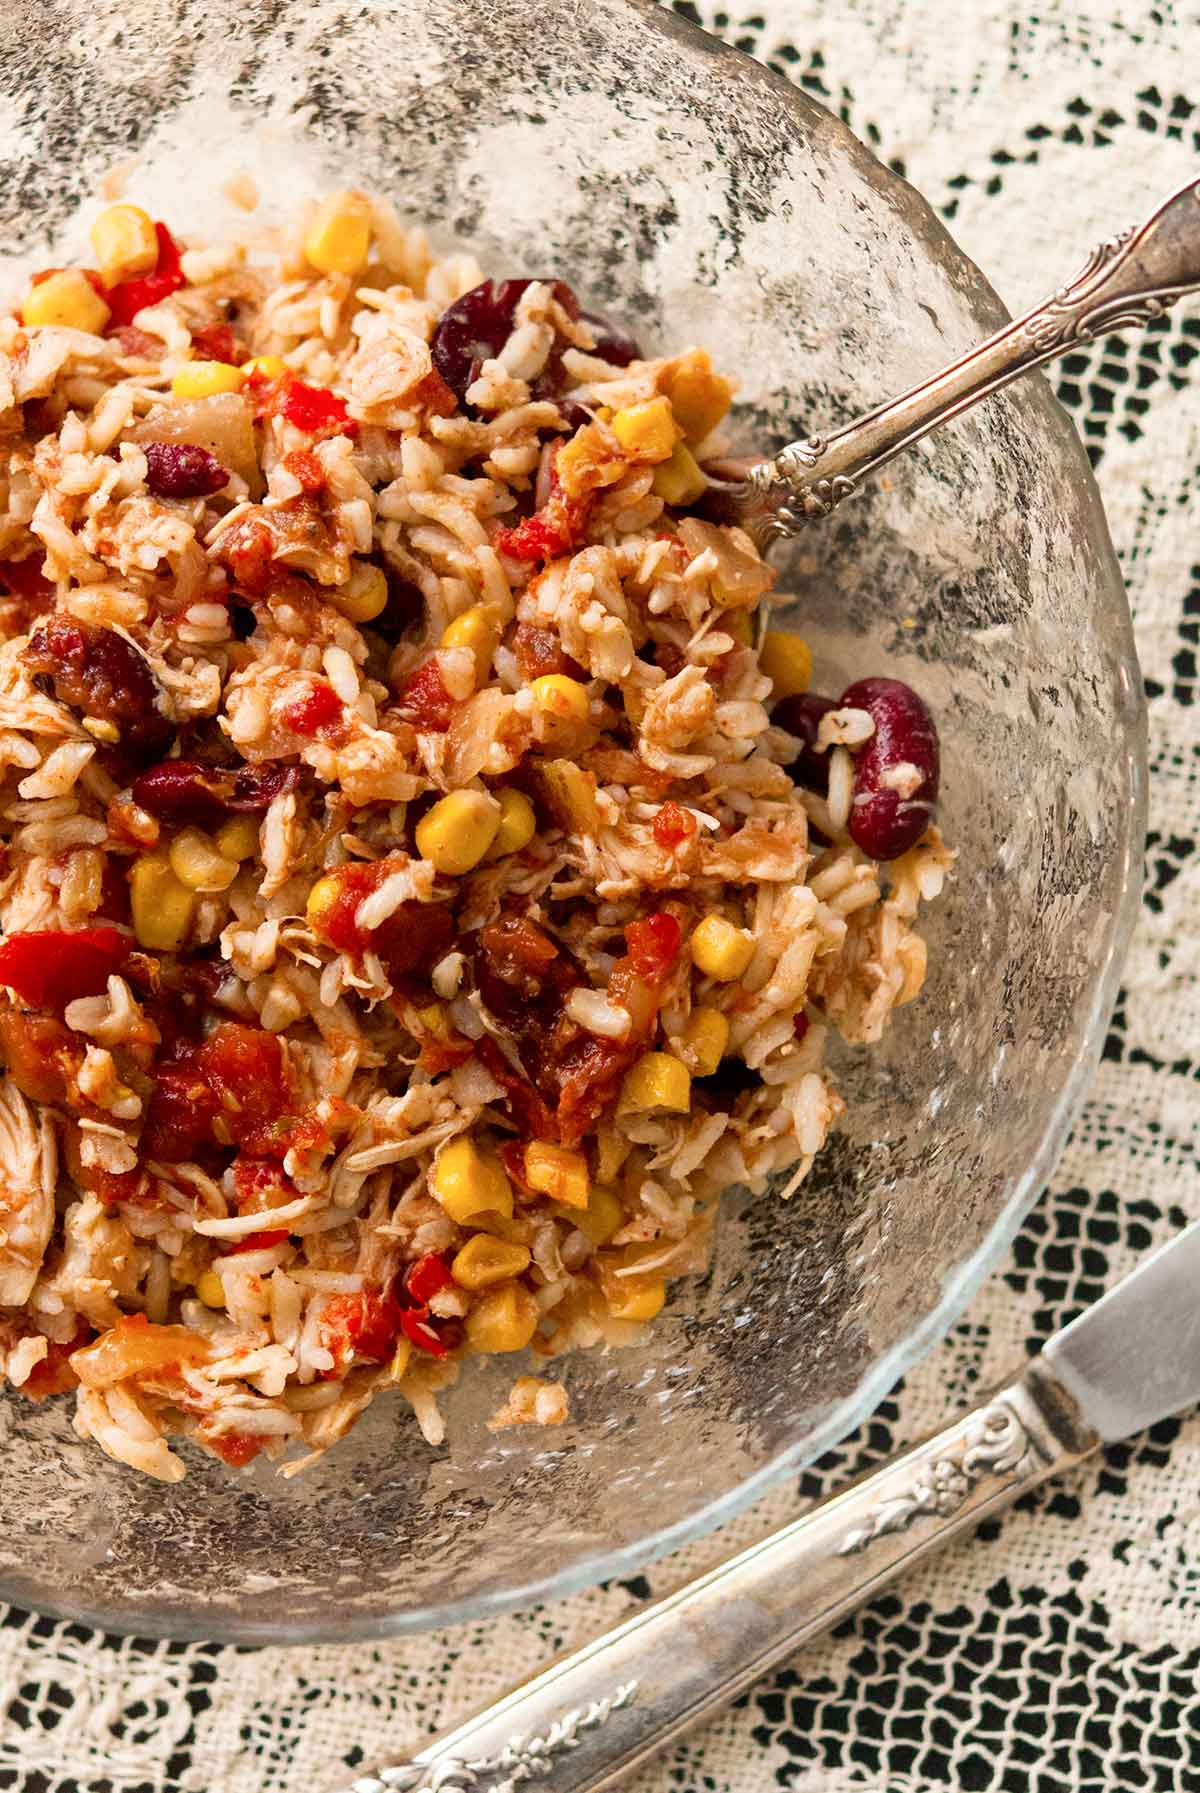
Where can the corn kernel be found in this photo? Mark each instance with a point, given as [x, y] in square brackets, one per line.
[477, 630]
[560, 699]
[203, 379]
[504, 1318]
[484, 1261]
[602, 1217]
[238, 837]
[630, 1297]
[721, 950]
[787, 662]
[196, 862]
[699, 397]
[703, 1041]
[163, 908]
[679, 479]
[67, 299]
[554, 1171]
[211, 1289]
[125, 242]
[637, 1297]
[657, 1080]
[364, 595]
[467, 1181]
[339, 236]
[647, 431]
[321, 899]
[456, 833]
[518, 823]
[271, 367]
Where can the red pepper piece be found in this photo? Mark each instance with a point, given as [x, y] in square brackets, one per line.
[426, 1277]
[48, 968]
[129, 297]
[414, 1322]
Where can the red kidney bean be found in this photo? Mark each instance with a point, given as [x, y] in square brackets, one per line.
[801, 716]
[183, 470]
[187, 793]
[476, 327]
[896, 772]
[97, 672]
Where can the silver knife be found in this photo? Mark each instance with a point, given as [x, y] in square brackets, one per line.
[594, 1716]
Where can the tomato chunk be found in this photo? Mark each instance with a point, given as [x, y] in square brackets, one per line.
[426, 1277]
[319, 712]
[654, 945]
[425, 701]
[49, 968]
[361, 1327]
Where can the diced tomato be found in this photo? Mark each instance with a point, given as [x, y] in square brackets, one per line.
[180, 1114]
[307, 469]
[216, 342]
[49, 968]
[129, 297]
[235, 1448]
[590, 1073]
[232, 1089]
[674, 826]
[654, 945]
[361, 1327]
[424, 699]
[246, 1069]
[319, 712]
[424, 1278]
[419, 1331]
[555, 529]
[54, 1375]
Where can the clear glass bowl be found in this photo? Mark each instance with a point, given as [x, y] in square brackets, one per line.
[684, 189]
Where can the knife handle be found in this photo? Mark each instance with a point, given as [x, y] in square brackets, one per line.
[593, 1716]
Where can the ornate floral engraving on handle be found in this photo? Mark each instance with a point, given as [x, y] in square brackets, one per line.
[522, 1759]
[995, 1442]
[1129, 279]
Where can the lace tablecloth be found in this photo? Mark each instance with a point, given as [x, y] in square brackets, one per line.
[1058, 1651]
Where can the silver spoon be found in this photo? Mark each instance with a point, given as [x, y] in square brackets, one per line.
[1128, 279]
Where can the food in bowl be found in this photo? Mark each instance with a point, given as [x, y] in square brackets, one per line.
[414, 914]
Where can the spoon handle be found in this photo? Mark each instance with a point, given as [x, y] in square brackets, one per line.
[1126, 280]
[591, 1718]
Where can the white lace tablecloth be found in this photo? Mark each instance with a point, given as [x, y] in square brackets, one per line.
[1058, 1651]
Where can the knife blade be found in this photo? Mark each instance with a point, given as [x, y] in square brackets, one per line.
[1134, 1356]
[592, 1717]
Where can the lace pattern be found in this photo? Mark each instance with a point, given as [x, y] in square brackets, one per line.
[1058, 1652]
